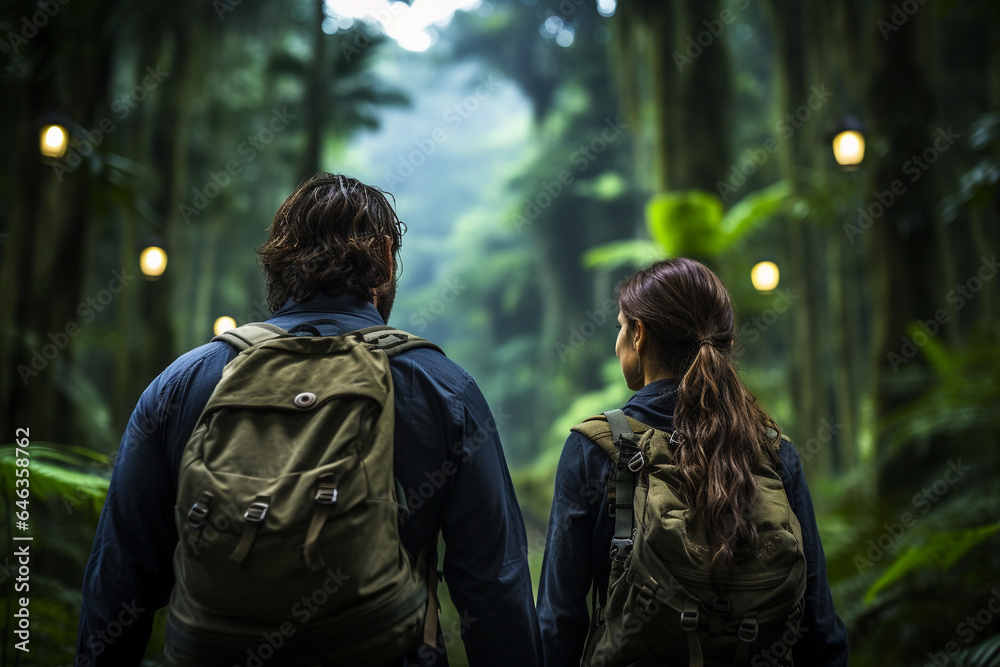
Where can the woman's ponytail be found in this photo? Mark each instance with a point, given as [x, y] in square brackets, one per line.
[721, 436]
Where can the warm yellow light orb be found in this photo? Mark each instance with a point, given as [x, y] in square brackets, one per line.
[849, 148]
[224, 324]
[764, 276]
[53, 141]
[153, 262]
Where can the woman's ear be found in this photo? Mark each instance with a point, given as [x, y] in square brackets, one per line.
[639, 336]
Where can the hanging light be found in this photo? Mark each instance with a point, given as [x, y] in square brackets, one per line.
[53, 140]
[849, 148]
[764, 276]
[848, 142]
[224, 324]
[153, 262]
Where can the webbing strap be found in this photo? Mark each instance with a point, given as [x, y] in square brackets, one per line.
[431, 618]
[621, 431]
[689, 622]
[314, 558]
[720, 612]
[394, 341]
[326, 498]
[250, 334]
[748, 637]
[253, 520]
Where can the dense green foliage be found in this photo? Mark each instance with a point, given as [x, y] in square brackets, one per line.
[878, 353]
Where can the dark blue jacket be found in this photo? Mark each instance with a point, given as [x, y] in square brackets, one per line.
[579, 540]
[447, 456]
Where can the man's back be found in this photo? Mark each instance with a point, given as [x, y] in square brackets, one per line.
[447, 457]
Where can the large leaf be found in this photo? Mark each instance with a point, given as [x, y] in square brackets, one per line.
[754, 210]
[630, 253]
[686, 223]
[939, 552]
[693, 223]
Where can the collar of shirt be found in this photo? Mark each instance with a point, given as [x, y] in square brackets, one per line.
[349, 311]
[653, 405]
[654, 390]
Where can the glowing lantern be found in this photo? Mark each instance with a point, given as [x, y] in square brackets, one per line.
[152, 262]
[764, 276]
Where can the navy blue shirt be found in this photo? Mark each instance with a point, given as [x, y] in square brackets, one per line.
[578, 544]
[447, 456]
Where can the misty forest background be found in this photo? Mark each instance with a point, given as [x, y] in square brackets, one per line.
[538, 151]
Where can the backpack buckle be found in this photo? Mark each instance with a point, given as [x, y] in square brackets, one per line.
[256, 512]
[689, 620]
[636, 462]
[748, 629]
[199, 511]
[326, 494]
[620, 549]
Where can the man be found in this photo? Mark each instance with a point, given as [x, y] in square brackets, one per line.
[330, 256]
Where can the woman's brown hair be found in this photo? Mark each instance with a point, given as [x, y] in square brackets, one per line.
[720, 430]
[330, 236]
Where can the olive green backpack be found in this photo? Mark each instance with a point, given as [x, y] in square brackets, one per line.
[287, 510]
[662, 606]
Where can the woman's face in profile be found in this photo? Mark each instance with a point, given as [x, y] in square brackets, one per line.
[627, 355]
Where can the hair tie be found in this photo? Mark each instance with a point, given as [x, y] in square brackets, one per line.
[704, 341]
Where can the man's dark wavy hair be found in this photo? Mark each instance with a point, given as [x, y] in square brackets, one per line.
[330, 236]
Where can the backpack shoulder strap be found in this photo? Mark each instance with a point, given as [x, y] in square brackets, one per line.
[598, 430]
[394, 341]
[251, 334]
[626, 468]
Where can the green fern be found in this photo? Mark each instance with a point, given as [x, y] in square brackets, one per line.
[939, 552]
[60, 471]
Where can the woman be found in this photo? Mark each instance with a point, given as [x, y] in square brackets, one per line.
[676, 333]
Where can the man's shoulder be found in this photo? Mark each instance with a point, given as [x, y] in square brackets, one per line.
[435, 365]
[203, 364]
